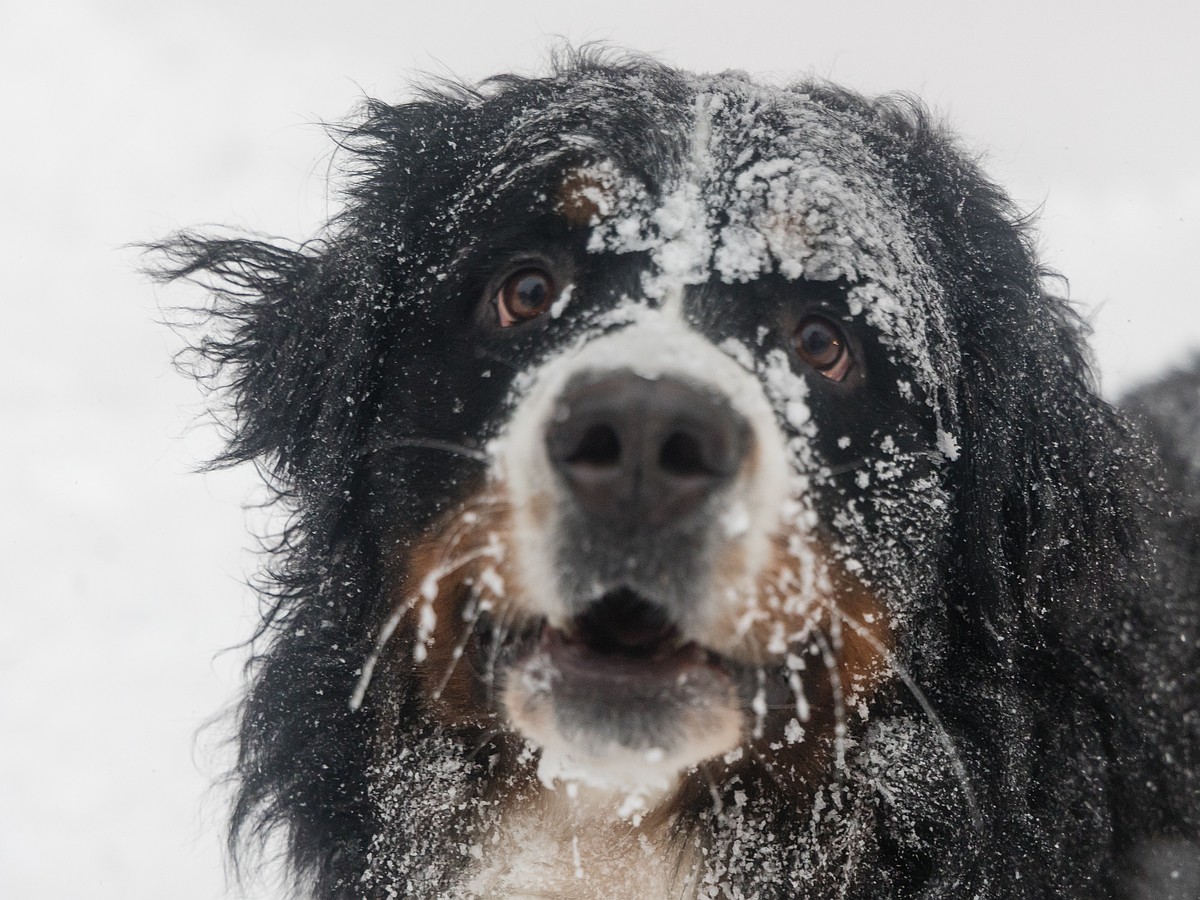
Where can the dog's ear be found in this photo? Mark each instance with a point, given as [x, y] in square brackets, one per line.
[288, 338]
[290, 334]
[1048, 486]
[1048, 512]
[290, 341]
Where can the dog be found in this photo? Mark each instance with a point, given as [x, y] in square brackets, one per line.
[696, 489]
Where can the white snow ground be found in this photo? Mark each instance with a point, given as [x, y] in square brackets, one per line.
[120, 577]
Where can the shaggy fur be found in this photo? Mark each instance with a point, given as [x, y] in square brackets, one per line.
[1002, 700]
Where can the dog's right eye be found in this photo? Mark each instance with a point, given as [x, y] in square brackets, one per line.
[525, 295]
[821, 344]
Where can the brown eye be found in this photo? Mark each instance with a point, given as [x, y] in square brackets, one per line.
[822, 345]
[525, 295]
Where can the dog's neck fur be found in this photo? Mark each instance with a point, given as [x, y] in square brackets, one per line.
[575, 845]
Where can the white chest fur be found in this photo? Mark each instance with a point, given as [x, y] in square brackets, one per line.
[579, 849]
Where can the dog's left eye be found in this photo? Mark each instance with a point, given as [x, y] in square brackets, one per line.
[525, 295]
[822, 345]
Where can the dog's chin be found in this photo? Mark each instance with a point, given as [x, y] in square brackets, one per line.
[620, 700]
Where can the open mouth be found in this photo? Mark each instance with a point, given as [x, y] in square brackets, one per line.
[621, 639]
[618, 682]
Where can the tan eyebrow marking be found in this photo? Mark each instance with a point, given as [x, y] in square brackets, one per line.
[584, 198]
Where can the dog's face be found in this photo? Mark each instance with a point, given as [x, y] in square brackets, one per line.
[695, 493]
[706, 362]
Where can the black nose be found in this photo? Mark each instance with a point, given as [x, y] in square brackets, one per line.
[639, 452]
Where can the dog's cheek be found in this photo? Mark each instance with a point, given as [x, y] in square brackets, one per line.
[454, 597]
[822, 644]
[892, 532]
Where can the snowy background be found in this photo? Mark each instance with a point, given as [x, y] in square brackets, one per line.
[127, 119]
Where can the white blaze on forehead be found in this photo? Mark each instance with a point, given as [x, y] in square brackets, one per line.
[678, 230]
[776, 183]
[684, 222]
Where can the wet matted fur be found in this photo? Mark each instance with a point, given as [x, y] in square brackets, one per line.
[694, 490]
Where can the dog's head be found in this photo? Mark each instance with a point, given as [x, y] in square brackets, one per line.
[653, 430]
[718, 462]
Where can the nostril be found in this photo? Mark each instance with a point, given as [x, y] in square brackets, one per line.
[681, 454]
[598, 446]
[642, 454]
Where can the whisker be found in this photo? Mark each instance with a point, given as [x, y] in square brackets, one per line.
[717, 805]
[385, 635]
[428, 592]
[484, 740]
[465, 524]
[848, 466]
[430, 444]
[469, 622]
[839, 699]
[693, 877]
[960, 770]
[796, 686]
[500, 631]
[489, 674]
[759, 703]
[862, 462]
[493, 356]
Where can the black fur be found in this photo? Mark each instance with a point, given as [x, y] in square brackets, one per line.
[1063, 664]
